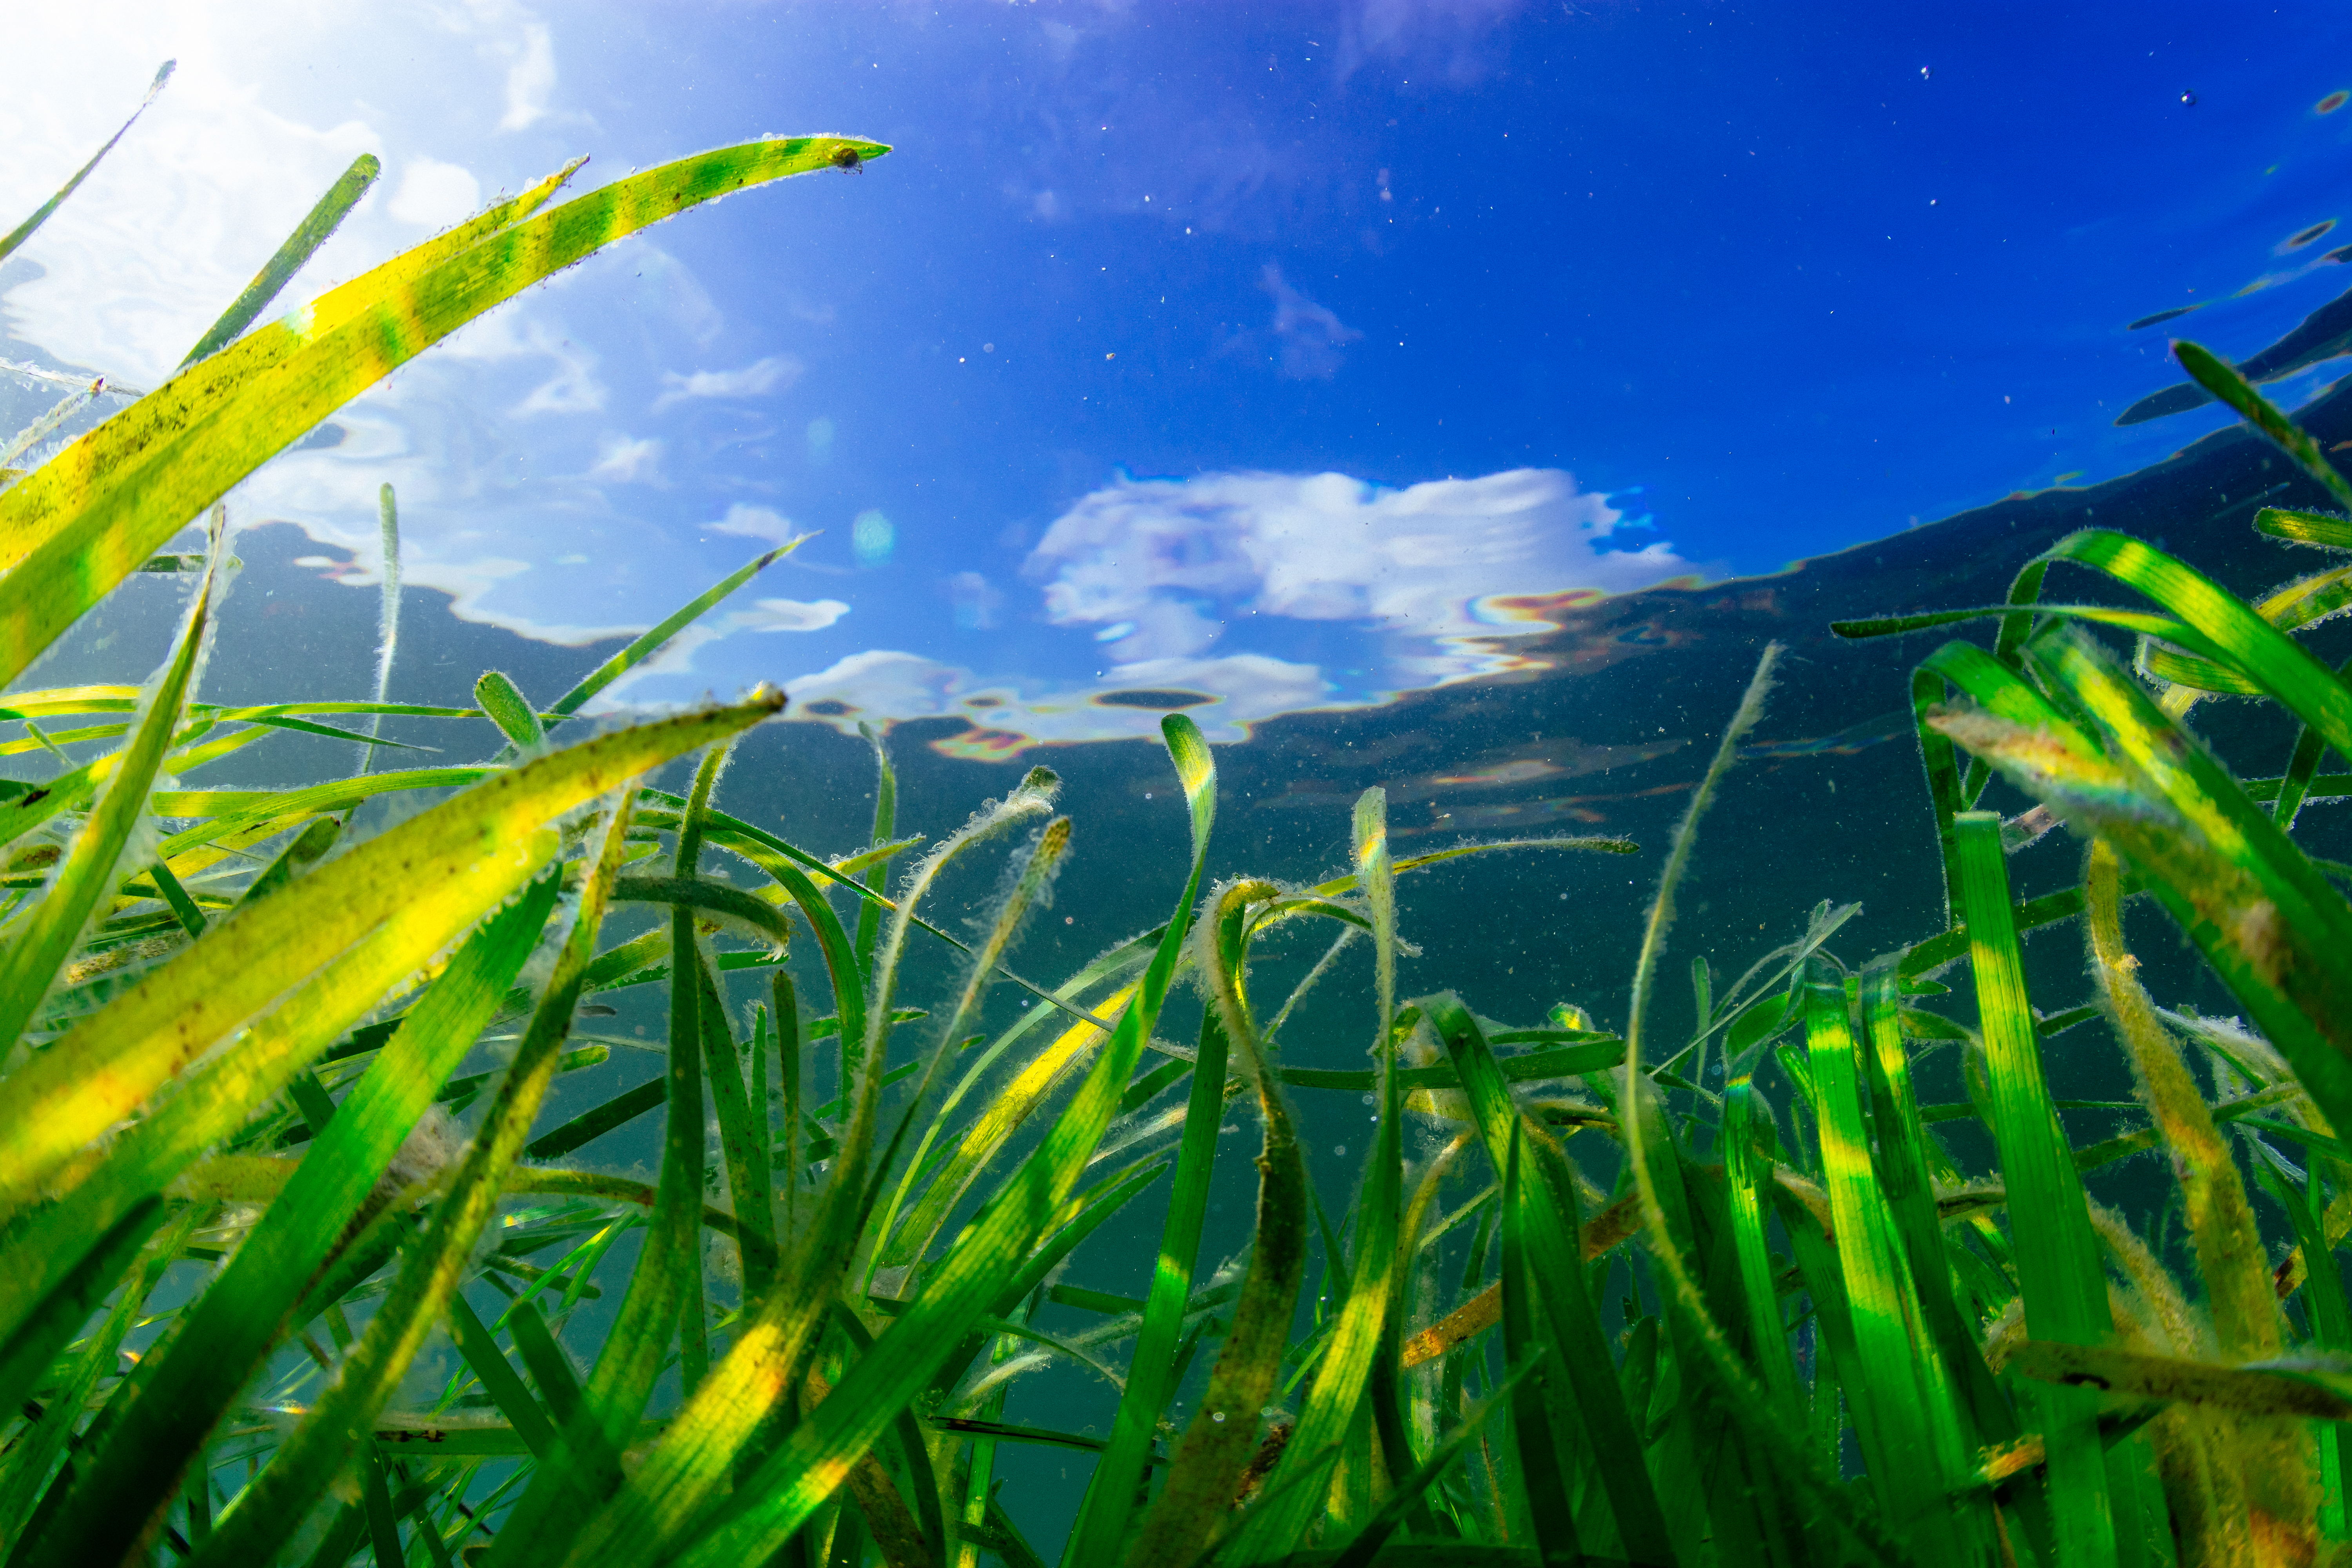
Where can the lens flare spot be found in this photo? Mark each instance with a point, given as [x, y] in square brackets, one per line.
[871, 538]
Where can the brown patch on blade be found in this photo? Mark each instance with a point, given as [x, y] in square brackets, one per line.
[1618, 1222]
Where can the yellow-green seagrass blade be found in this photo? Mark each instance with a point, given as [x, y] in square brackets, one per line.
[94, 1192]
[656, 1514]
[23, 231]
[93, 465]
[110, 1064]
[33, 960]
[315, 230]
[95, 514]
[1345, 1372]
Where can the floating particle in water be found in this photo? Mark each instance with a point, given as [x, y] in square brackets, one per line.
[2302, 238]
[830, 707]
[871, 538]
[2159, 316]
[2332, 102]
[1923, 73]
[2189, 98]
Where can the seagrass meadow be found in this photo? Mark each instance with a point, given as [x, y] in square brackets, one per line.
[305, 1256]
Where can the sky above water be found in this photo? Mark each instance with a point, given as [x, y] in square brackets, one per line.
[1291, 357]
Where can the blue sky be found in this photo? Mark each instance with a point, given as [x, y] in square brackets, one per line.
[1293, 354]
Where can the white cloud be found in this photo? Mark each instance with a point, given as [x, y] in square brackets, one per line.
[1451, 579]
[624, 460]
[1163, 626]
[755, 523]
[667, 286]
[1457, 33]
[471, 526]
[757, 379]
[271, 101]
[503, 335]
[1007, 715]
[436, 195]
[1450, 563]
[973, 602]
[788, 615]
[175, 222]
[532, 79]
[883, 682]
[573, 389]
[1249, 686]
[1311, 335]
